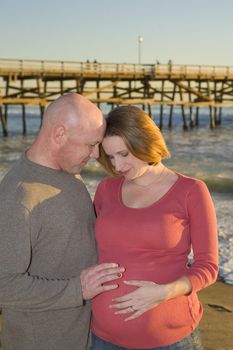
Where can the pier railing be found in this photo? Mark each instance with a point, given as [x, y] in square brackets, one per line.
[154, 71]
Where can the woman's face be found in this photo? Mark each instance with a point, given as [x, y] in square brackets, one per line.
[122, 160]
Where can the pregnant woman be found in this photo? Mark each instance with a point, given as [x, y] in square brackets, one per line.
[149, 219]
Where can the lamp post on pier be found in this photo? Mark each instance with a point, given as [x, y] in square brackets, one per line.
[140, 41]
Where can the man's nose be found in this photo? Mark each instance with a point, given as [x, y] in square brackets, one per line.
[95, 152]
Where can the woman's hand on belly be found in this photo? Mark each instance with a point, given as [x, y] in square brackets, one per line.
[148, 295]
[145, 297]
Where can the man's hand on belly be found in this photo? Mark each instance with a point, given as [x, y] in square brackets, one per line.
[93, 279]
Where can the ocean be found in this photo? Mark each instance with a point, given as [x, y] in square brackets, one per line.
[200, 152]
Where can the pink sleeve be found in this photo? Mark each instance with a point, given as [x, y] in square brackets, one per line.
[203, 230]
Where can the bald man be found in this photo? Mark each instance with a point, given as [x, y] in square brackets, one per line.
[47, 246]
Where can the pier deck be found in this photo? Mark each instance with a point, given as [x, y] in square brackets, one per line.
[25, 82]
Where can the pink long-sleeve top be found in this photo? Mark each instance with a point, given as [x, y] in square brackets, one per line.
[153, 244]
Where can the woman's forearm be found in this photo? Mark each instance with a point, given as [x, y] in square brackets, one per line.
[179, 287]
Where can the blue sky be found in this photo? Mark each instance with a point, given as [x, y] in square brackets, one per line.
[185, 31]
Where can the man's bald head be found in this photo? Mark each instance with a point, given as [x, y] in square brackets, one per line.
[71, 131]
[69, 110]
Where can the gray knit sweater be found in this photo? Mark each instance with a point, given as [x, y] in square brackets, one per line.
[46, 240]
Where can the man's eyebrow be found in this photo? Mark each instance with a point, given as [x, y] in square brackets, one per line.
[93, 143]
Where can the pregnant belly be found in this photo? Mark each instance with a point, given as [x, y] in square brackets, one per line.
[111, 327]
[152, 327]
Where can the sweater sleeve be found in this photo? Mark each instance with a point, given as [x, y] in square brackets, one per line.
[203, 229]
[18, 288]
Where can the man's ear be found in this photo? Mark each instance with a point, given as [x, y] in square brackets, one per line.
[59, 134]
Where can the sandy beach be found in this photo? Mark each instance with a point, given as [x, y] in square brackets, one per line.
[217, 322]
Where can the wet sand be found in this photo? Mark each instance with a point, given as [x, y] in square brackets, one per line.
[217, 322]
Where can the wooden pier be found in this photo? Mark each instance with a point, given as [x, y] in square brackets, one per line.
[34, 82]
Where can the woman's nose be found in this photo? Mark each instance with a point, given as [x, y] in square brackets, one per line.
[118, 164]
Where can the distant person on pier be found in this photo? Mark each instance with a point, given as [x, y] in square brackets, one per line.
[48, 270]
[149, 217]
[88, 64]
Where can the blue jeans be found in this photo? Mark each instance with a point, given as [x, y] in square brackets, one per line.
[192, 342]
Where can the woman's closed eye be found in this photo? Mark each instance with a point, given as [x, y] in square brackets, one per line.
[122, 154]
